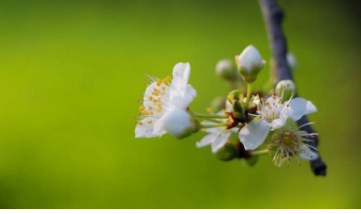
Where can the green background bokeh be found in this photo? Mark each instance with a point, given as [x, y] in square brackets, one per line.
[71, 72]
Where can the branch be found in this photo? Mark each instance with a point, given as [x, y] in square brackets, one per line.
[273, 17]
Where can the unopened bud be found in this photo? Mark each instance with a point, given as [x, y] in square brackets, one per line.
[251, 161]
[235, 95]
[227, 152]
[238, 110]
[226, 69]
[285, 89]
[249, 63]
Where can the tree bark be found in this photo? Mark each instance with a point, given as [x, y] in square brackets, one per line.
[273, 17]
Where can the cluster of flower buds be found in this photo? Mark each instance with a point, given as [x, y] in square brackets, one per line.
[241, 125]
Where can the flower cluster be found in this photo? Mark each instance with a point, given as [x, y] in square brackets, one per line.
[236, 126]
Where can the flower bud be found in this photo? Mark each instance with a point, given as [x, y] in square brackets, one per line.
[218, 104]
[285, 88]
[227, 152]
[291, 61]
[238, 110]
[179, 123]
[251, 161]
[226, 70]
[249, 63]
[235, 95]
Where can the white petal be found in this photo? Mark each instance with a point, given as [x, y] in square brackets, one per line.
[250, 57]
[159, 128]
[206, 140]
[308, 154]
[145, 130]
[175, 122]
[254, 133]
[181, 73]
[299, 107]
[188, 97]
[220, 141]
[279, 123]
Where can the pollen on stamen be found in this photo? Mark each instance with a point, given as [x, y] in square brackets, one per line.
[159, 82]
[272, 92]
[149, 122]
[150, 98]
[141, 108]
[140, 123]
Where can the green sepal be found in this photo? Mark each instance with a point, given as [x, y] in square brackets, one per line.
[227, 152]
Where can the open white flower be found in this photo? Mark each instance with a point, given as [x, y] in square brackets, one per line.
[273, 114]
[163, 103]
[291, 142]
[218, 136]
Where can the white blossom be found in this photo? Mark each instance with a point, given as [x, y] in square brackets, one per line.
[163, 103]
[272, 114]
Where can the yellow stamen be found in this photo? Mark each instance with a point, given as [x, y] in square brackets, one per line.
[141, 108]
[159, 82]
[150, 122]
[140, 123]
[150, 98]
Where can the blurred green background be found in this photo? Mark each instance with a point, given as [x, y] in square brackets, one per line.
[71, 73]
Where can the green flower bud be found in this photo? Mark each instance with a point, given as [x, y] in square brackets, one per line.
[251, 161]
[218, 104]
[285, 89]
[226, 70]
[249, 63]
[235, 95]
[227, 153]
[238, 110]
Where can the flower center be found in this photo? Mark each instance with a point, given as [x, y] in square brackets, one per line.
[271, 109]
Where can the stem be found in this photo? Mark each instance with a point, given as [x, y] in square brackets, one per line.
[202, 126]
[259, 152]
[249, 91]
[213, 120]
[273, 17]
[207, 116]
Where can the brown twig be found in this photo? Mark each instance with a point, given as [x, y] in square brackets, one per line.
[273, 16]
